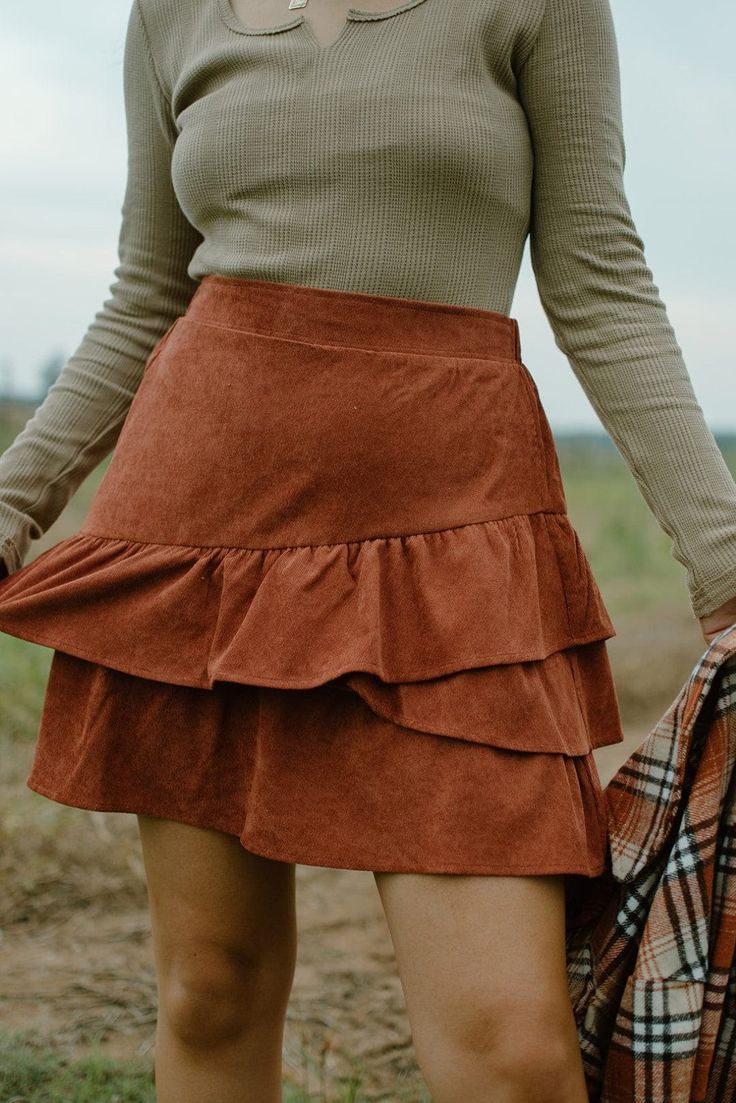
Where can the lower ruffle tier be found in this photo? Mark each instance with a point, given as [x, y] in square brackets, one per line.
[315, 777]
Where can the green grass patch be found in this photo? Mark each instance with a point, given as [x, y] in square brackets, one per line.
[30, 1073]
[24, 670]
[34, 1073]
[629, 552]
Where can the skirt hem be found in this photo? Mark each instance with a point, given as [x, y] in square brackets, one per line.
[329, 861]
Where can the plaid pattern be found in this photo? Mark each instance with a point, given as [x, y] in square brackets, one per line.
[651, 943]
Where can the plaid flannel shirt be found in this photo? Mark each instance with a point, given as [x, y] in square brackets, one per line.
[651, 942]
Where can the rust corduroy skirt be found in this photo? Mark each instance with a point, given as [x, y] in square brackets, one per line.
[327, 597]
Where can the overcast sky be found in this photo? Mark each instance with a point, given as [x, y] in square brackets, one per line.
[62, 135]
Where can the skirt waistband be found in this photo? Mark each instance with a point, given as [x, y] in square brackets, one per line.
[331, 316]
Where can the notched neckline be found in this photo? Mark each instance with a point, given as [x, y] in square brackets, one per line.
[353, 15]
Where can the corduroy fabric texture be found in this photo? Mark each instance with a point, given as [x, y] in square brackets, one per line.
[412, 595]
[412, 157]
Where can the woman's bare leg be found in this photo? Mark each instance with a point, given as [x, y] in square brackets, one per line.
[483, 968]
[224, 941]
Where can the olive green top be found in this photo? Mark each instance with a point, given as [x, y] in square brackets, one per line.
[412, 156]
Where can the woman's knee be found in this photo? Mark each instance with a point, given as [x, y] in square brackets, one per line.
[523, 1046]
[210, 996]
[224, 931]
[482, 965]
[522, 1032]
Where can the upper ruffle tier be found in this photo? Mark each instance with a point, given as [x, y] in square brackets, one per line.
[404, 609]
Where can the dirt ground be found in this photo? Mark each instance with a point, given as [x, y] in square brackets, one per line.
[75, 951]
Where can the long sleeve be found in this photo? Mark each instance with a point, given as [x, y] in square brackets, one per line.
[599, 297]
[80, 419]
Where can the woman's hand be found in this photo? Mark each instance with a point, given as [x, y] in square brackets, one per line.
[720, 618]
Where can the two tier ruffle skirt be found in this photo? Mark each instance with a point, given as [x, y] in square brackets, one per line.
[327, 597]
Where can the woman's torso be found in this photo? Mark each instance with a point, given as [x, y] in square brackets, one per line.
[396, 159]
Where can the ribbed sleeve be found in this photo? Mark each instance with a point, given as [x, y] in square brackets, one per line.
[78, 422]
[601, 301]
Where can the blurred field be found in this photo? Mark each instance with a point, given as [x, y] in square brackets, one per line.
[75, 954]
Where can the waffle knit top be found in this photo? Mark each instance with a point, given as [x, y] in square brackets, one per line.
[412, 156]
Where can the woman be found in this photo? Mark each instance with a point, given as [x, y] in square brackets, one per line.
[327, 605]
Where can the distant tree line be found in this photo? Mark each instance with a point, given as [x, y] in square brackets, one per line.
[48, 373]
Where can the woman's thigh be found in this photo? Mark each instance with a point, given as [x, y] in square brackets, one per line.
[223, 920]
[483, 966]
